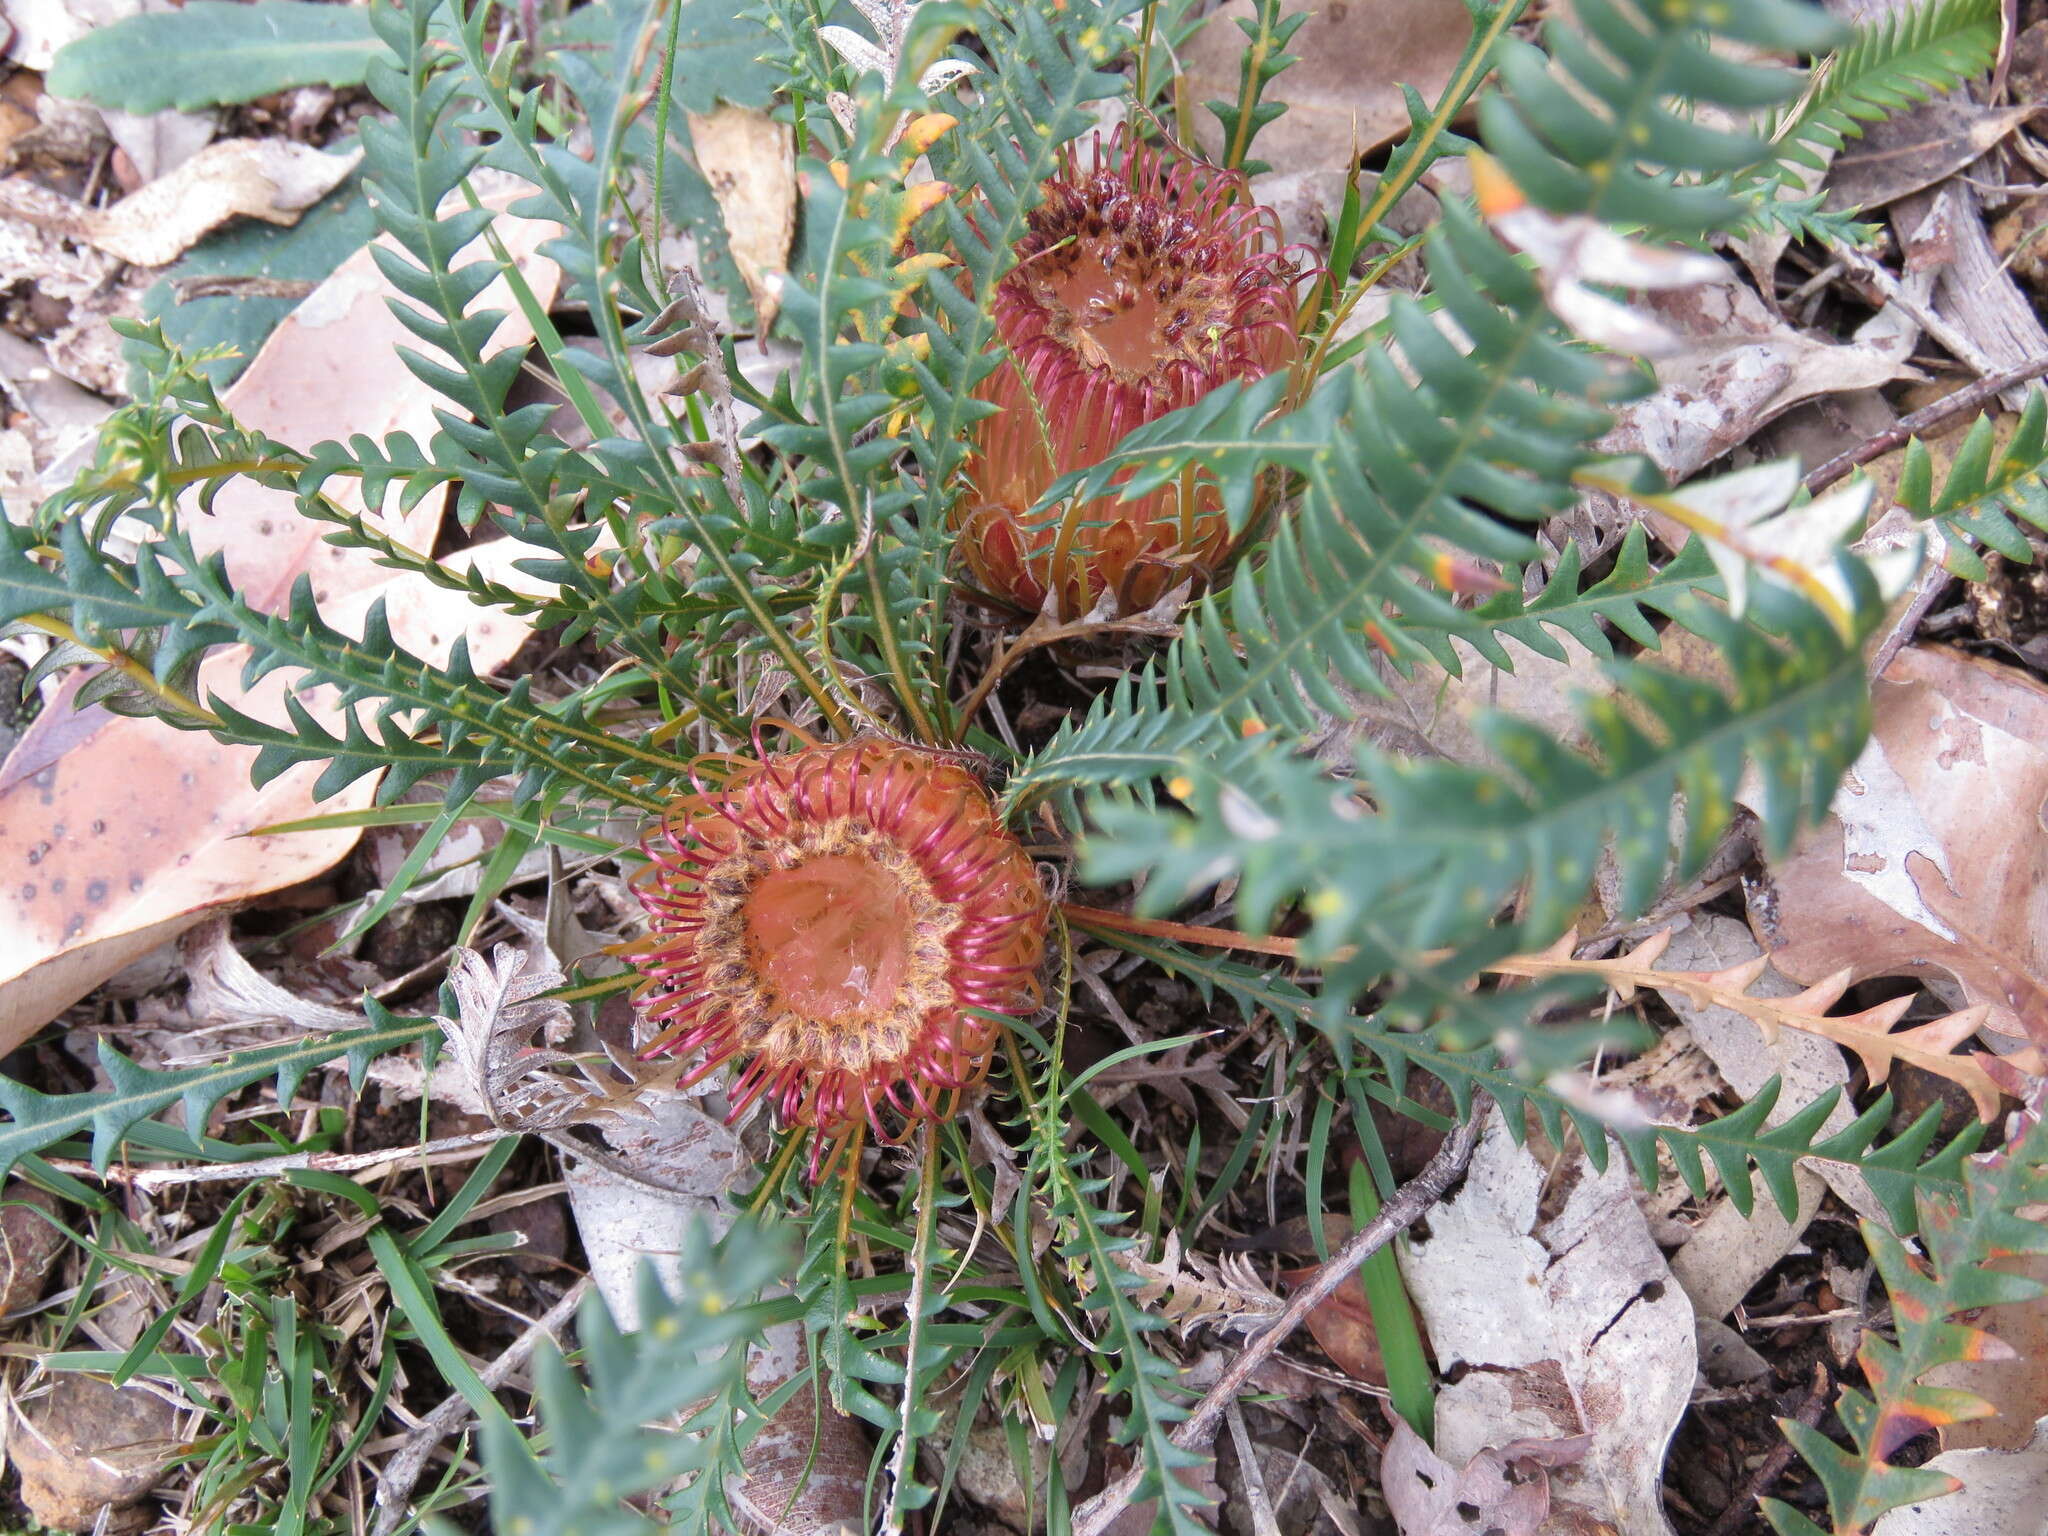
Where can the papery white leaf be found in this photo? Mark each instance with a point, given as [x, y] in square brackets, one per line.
[1243, 816]
[1748, 532]
[1611, 324]
[1579, 249]
[1897, 567]
[864, 56]
[1602, 256]
[1742, 497]
[1572, 252]
[499, 1010]
[945, 74]
[1813, 537]
[1723, 507]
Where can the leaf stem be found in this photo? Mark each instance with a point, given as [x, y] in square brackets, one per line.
[127, 666]
[892, 652]
[1179, 933]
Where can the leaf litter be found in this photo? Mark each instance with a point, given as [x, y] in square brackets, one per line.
[1569, 1326]
[1740, 363]
[79, 780]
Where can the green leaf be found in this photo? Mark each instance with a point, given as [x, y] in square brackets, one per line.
[214, 53]
[718, 49]
[1444, 847]
[687, 1354]
[38, 1120]
[1085, 1235]
[1988, 491]
[1616, 602]
[1903, 57]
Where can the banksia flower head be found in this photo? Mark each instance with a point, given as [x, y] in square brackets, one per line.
[1144, 282]
[830, 916]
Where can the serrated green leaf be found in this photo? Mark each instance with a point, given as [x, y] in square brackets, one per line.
[37, 1121]
[718, 52]
[1934, 1306]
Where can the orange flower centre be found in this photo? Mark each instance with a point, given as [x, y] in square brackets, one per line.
[831, 937]
[1117, 311]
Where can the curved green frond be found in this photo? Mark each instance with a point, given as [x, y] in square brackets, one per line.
[1905, 57]
[1935, 1302]
[1440, 848]
[1622, 601]
[609, 1436]
[37, 1121]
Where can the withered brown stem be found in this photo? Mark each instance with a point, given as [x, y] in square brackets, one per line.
[1179, 933]
[1968, 398]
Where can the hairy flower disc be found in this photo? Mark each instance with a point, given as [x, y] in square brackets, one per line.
[833, 915]
[1143, 283]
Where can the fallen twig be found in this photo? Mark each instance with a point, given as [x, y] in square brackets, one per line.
[448, 1149]
[395, 1481]
[1968, 398]
[1409, 1202]
[1933, 582]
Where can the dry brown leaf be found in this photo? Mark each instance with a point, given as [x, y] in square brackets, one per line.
[1341, 1324]
[270, 179]
[116, 833]
[1869, 1033]
[1505, 1491]
[501, 1005]
[66, 132]
[58, 420]
[1899, 156]
[1190, 1290]
[29, 255]
[223, 987]
[807, 1469]
[154, 144]
[750, 161]
[1344, 96]
[1934, 864]
[1742, 366]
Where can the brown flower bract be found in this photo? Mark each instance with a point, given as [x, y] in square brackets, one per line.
[1143, 283]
